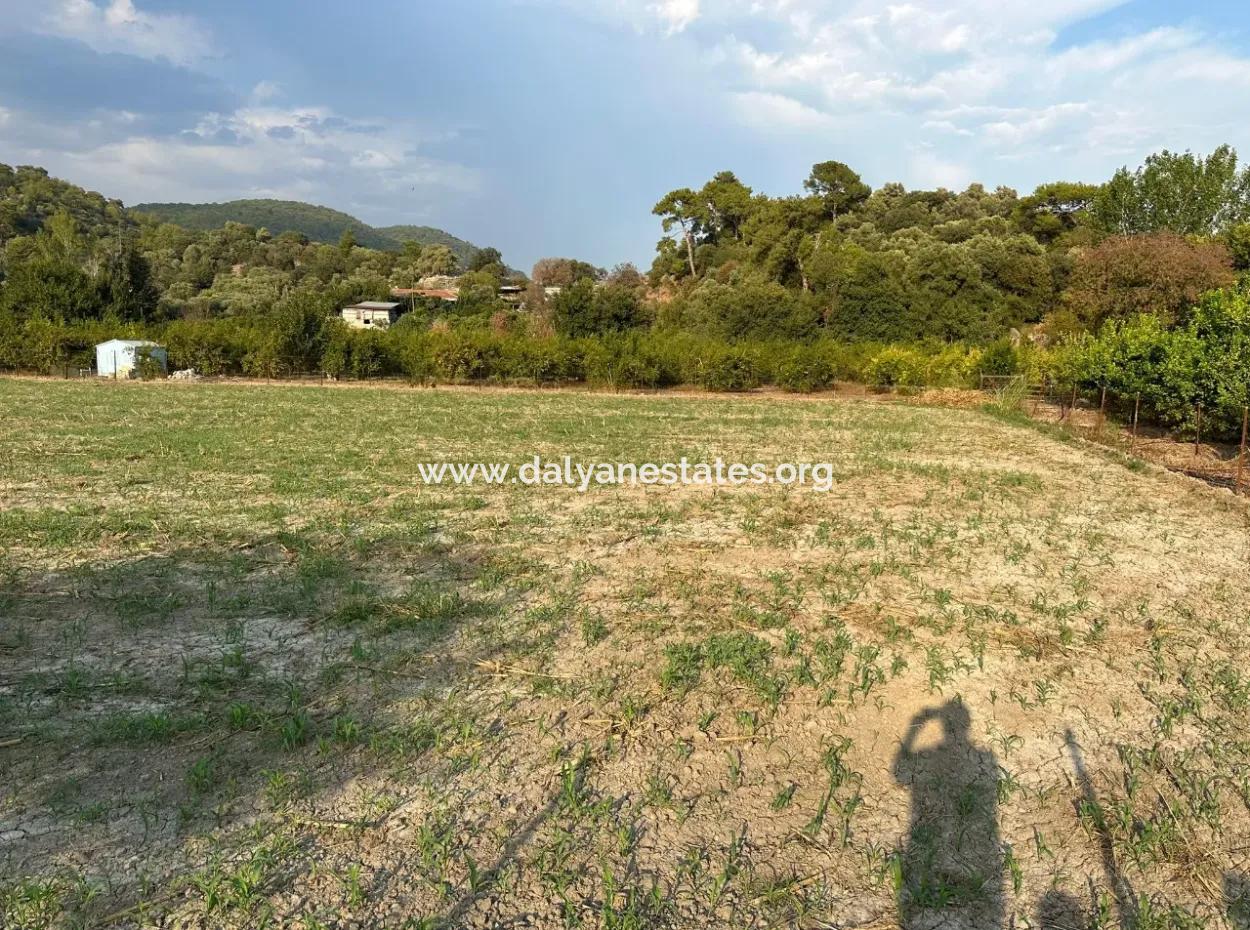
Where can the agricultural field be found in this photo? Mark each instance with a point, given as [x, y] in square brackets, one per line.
[254, 673]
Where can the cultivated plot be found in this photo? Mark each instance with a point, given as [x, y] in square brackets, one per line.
[253, 671]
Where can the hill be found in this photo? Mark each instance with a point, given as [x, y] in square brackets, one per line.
[427, 235]
[29, 196]
[316, 222]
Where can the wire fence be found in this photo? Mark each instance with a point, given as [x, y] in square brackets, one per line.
[1115, 419]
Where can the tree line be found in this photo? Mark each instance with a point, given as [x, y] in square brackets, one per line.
[839, 281]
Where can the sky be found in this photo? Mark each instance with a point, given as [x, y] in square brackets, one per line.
[551, 127]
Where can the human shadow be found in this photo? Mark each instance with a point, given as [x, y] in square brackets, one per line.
[951, 866]
[1237, 900]
[1059, 910]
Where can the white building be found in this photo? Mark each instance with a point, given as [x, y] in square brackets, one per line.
[370, 314]
[118, 358]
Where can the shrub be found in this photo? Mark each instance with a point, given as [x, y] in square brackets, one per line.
[895, 366]
[627, 361]
[1205, 362]
[540, 361]
[147, 366]
[728, 368]
[1161, 274]
[999, 358]
[805, 369]
[953, 366]
[460, 356]
[211, 347]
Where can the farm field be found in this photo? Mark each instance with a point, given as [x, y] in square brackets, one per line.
[253, 672]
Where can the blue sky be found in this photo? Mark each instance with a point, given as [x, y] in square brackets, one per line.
[550, 127]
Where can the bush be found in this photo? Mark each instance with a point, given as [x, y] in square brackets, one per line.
[805, 369]
[462, 356]
[896, 366]
[999, 358]
[627, 361]
[1205, 362]
[728, 368]
[354, 353]
[539, 361]
[147, 366]
[211, 347]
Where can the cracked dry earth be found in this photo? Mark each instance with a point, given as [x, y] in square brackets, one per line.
[254, 673]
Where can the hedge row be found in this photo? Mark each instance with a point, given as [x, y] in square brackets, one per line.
[626, 360]
[1203, 362]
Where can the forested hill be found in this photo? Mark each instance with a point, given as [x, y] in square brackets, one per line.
[320, 224]
[427, 235]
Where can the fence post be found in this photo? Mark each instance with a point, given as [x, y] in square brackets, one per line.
[1102, 409]
[1241, 459]
[1198, 432]
[1136, 413]
[1072, 406]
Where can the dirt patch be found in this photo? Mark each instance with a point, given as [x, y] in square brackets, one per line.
[260, 674]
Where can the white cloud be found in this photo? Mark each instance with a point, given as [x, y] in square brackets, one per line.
[676, 14]
[266, 90]
[307, 153]
[931, 170]
[969, 82]
[112, 26]
[770, 112]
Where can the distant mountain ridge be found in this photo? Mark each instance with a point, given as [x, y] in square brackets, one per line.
[318, 223]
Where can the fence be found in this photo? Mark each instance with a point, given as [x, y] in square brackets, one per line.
[1092, 414]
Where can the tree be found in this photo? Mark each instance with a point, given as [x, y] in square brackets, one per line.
[1238, 241]
[1182, 193]
[562, 272]
[777, 234]
[584, 310]
[49, 288]
[727, 202]
[838, 187]
[626, 275]
[1016, 267]
[296, 334]
[1161, 274]
[870, 300]
[436, 260]
[347, 242]
[684, 209]
[484, 258]
[478, 289]
[126, 289]
[948, 296]
[1055, 209]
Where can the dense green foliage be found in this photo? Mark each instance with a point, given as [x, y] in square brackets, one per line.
[298, 339]
[320, 224]
[1130, 285]
[29, 198]
[894, 264]
[1205, 362]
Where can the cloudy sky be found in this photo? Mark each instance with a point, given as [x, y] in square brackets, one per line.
[550, 127]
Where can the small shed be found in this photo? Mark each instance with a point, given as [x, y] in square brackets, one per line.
[371, 314]
[118, 358]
